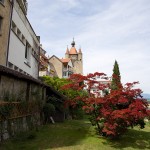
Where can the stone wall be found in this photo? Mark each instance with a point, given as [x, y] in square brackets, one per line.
[21, 101]
[11, 127]
[18, 89]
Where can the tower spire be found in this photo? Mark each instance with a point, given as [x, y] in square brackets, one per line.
[67, 51]
[80, 50]
[73, 43]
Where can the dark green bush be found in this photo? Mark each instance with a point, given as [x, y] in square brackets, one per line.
[48, 110]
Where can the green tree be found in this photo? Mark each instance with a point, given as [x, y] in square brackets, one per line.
[55, 82]
[116, 78]
[70, 93]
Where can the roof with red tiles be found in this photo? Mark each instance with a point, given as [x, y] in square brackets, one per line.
[67, 51]
[66, 60]
[73, 51]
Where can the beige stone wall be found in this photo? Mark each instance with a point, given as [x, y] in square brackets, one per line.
[5, 10]
[57, 65]
[77, 63]
[80, 56]
[78, 67]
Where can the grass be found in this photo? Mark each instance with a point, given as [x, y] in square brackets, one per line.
[76, 135]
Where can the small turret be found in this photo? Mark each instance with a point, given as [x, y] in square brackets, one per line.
[79, 50]
[67, 53]
[80, 54]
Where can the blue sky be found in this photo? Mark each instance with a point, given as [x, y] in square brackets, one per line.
[106, 30]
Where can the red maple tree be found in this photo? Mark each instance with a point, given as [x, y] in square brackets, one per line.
[113, 112]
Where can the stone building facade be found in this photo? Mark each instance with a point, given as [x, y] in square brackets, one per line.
[46, 68]
[63, 67]
[71, 64]
[5, 16]
[76, 58]
[58, 65]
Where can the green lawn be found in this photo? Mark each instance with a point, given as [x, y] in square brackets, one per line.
[76, 135]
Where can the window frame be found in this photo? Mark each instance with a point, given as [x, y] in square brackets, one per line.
[27, 54]
[65, 74]
[27, 51]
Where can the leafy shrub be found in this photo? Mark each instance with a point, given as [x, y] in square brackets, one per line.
[49, 110]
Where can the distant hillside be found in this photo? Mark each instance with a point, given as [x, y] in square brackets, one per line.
[146, 96]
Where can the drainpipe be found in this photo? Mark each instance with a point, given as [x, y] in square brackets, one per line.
[39, 61]
[8, 43]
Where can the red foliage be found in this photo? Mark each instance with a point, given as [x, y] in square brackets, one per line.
[119, 109]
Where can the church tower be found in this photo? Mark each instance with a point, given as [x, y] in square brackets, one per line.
[76, 58]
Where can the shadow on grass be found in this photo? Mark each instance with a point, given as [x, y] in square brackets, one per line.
[136, 139]
[50, 136]
[69, 134]
[76, 133]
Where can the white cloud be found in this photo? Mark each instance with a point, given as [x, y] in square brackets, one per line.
[106, 30]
